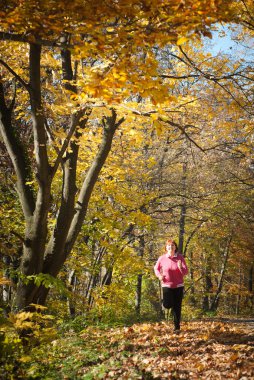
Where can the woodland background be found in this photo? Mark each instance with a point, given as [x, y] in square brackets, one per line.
[122, 127]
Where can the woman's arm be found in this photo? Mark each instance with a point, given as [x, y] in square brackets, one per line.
[157, 270]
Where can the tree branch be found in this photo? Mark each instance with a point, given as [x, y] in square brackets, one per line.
[110, 125]
[74, 123]
[54, 256]
[213, 79]
[5, 36]
[21, 81]
[18, 157]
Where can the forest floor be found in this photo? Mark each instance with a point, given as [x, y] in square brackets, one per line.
[205, 349]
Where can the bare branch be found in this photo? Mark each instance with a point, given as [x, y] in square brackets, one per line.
[212, 78]
[74, 124]
[182, 129]
[4, 36]
[21, 81]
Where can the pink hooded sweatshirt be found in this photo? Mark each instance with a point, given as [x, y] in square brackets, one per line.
[168, 268]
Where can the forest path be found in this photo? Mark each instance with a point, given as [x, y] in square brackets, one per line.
[232, 320]
[209, 349]
[247, 323]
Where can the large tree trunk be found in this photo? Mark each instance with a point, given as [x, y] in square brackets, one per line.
[43, 255]
[57, 252]
[35, 208]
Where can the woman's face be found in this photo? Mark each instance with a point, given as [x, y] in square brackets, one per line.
[170, 248]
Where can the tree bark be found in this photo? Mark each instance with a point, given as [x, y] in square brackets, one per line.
[72, 279]
[35, 208]
[207, 282]
[41, 255]
[192, 285]
[250, 287]
[183, 209]
[139, 277]
[215, 302]
[56, 257]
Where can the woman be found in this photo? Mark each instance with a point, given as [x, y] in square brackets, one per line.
[170, 270]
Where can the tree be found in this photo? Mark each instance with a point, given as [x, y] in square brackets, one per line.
[55, 69]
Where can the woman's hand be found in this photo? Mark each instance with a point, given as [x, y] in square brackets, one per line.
[179, 264]
[161, 277]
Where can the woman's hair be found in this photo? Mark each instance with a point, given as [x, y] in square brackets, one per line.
[171, 241]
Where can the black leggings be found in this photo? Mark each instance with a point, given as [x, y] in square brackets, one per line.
[172, 297]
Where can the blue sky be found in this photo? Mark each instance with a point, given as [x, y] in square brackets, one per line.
[224, 42]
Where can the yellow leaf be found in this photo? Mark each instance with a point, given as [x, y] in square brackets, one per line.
[4, 281]
[181, 40]
[234, 357]
[154, 116]
[25, 359]
[164, 117]
[144, 22]
[158, 127]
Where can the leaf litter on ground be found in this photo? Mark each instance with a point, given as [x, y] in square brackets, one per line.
[203, 350]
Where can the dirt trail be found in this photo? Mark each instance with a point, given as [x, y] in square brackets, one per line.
[247, 323]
